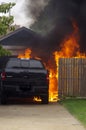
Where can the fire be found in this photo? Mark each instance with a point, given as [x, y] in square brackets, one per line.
[37, 99]
[52, 86]
[68, 49]
[26, 55]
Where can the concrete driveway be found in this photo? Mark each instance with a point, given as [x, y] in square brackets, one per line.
[37, 117]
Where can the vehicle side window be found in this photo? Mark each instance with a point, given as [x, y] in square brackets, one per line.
[15, 63]
[35, 64]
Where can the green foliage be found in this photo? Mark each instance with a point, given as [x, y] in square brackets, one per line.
[5, 7]
[5, 24]
[6, 21]
[4, 52]
[77, 107]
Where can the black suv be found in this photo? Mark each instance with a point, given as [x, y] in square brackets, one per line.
[23, 78]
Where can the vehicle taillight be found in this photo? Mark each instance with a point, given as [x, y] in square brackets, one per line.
[3, 75]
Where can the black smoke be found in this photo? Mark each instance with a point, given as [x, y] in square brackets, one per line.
[34, 7]
[61, 13]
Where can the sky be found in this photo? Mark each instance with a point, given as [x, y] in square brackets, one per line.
[18, 11]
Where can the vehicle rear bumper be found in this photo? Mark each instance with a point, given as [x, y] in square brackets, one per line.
[15, 91]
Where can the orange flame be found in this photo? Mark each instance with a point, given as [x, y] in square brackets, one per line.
[69, 48]
[53, 86]
[37, 99]
[26, 55]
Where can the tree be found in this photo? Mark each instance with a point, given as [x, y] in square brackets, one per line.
[6, 21]
[4, 52]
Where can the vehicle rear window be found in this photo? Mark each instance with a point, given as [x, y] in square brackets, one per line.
[24, 63]
[35, 64]
[13, 63]
[18, 63]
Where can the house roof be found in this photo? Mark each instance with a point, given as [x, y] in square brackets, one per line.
[20, 37]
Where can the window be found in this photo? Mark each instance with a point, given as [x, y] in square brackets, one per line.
[13, 63]
[18, 63]
[25, 63]
[35, 64]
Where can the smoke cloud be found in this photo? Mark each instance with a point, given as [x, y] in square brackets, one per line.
[34, 7]
[59, 14]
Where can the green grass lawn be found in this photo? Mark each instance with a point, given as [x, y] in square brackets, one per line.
[76, 107]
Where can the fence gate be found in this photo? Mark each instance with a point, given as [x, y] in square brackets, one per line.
[72, 77]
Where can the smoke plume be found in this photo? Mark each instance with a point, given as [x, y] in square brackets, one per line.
[34, 7]
[54, 18]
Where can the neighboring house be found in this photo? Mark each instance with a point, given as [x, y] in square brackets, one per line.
[19, 40]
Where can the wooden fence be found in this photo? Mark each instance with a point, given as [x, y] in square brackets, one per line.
[72, 77]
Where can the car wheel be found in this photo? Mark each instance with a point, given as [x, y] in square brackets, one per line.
[3, 98]
[45, 100]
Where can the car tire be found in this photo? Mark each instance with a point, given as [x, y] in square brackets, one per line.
[45, 99]
[3, 97]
